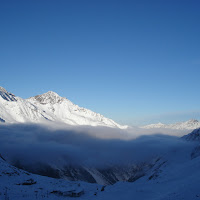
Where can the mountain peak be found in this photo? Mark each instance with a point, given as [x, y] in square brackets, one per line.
[193, 121]
[48, 97]
[2, 89]
[52, 93]
[49, 107]
[188, 125]
[6, 95]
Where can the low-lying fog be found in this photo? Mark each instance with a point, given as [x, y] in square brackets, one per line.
[89, 146]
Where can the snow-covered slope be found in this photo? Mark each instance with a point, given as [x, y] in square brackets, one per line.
[48, 107]
[7, 96]
[15, 109]
[188, 125]
[103, 176]
[175, 176]
[18, 184]
[193, 136]
[61, 109]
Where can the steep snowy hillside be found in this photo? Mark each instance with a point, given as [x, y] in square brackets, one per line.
[188, 125]
[193, 136]
[63, 110]
[175, 176]
[7, 96]
[48, 107]
[103, 176]
[15, 109]
[17, 184]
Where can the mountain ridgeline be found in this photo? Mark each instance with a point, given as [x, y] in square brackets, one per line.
[187, 125]
[48, 107]
[154, 165]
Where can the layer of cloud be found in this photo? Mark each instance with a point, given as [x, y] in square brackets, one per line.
[88, 146]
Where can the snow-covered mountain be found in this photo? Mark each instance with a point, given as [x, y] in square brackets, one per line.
[15, 109]
[48, 107]
[18, 184]
[188, 125]
[61, 109]
[174, 175]
[193, 136]
[103, 176]
[7, 96]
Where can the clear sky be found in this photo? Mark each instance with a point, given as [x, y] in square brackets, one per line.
[136, 62]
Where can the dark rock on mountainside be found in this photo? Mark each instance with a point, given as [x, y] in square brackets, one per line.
[2, 120]
[7, 95]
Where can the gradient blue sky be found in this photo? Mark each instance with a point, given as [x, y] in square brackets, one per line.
[136, 62]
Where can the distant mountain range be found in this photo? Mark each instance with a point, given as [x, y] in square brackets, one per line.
[48, 107]
[151, 179]
[52, 107]
[187, 125]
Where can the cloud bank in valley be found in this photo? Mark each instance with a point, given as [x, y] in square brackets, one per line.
[88, 146]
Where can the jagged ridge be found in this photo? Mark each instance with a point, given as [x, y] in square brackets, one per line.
[193, 136]
[189, 125]
[48, 107]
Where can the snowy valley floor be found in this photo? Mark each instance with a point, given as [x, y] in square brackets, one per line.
[175, 176]
[16, 184]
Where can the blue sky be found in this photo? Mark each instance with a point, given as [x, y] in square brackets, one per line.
[136, 62]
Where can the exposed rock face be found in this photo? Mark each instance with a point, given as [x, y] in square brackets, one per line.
[49, 98]
[6, 95]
